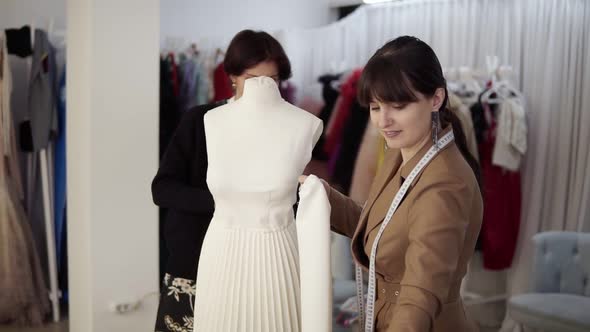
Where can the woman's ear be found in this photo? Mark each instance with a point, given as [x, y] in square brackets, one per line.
[438, 99]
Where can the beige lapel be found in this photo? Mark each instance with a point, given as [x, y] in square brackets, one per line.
[393, 160]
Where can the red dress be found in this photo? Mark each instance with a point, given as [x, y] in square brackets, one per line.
[348, 93]
[221, 84]
[502, 205]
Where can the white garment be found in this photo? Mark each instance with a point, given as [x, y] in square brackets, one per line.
[464, 115]
[511, 134]
[248, 275]
[313, 237]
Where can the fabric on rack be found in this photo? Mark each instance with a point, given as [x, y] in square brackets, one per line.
[8, 136]
[330, 95]
[23, 294]
[60, 173]
[221, 84]
[348, 92]
[288, 91]
[464, 115]
[210, 65]
[511, 135]
[480, 125]
[188, 85]
[18, 42]
[194, 83]
[37, 131]
[42, 89]
[203, 85]
[169, 108]
[5, 92]
[502, 199]
[174, 74]
[39, 121]
[352, 136]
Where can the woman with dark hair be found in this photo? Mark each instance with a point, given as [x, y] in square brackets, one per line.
[418, 229]
[180, 184]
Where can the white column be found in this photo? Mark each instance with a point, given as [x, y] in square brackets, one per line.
[112, 146]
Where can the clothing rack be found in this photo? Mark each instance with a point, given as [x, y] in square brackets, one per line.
[493, 74]
[44, 157]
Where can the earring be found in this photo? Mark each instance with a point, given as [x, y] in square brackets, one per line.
[435, 127]
[233, 85]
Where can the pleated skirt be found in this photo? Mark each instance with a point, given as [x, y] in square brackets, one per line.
[248, 280]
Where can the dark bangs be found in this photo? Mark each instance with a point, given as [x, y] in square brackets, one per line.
[383, 80]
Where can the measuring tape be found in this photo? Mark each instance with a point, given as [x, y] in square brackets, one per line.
[370, 310]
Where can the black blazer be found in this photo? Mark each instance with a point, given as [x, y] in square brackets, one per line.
[180, 186]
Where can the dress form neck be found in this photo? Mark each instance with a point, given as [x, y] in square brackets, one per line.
[261, 90]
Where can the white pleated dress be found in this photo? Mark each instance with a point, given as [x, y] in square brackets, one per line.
[248, 274]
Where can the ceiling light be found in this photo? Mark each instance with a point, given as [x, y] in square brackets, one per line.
[375, 1]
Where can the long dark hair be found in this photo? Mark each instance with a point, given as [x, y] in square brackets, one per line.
[402, 66]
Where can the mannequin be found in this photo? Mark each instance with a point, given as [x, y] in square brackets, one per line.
[248, 274]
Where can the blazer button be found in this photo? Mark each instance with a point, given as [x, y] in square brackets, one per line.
[383, 291]
[396, 293]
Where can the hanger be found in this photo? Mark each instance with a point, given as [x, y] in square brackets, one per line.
[462, 83]
[194, 50]
[469, 82]
[492, 67]
[501, 85]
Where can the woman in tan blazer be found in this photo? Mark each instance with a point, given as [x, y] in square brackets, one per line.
[423, 252]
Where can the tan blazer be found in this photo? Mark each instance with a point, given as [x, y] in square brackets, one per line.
[424, 251]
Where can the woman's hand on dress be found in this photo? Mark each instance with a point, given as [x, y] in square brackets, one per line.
[302, 179]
